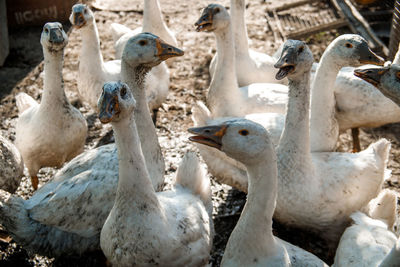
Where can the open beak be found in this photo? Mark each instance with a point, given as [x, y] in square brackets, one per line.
[108, 107]
[208, 135]
[285, 64]
[371, 75]
[166, 51]
[205, 22]
[369, 57]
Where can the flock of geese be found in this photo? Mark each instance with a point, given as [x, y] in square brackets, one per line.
[270, 128]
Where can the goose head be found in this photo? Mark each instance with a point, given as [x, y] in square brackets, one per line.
[352, 50]
[296, 60]
[240, 139]
[53, 37]
[116, 102]
[148, 50]
[81, 15]
[214, 17]
[386, 79]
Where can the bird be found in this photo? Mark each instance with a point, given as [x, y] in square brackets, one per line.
[170, 228]
[52, 132]
[65, 216]
[252, 242]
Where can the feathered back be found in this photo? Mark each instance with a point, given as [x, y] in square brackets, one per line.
[191, 175]
[200, 114]
[24, 101]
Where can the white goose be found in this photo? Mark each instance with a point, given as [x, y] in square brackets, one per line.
[171, 228]
[316, 190]
[66, 215]
[224, 87]
[152, 22]
[386, 79]
[370, 241]
[347, 49]
[91, 79]
[251, 66]
[11, 166]
[52, 132]
[252, 242]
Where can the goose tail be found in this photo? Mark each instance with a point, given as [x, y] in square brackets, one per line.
[200, 114]
[383, 207]
[24, 101]
[117, 30]
[191, 175]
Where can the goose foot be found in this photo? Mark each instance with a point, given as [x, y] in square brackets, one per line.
[355, 132]
[35, 182]
[154, 116]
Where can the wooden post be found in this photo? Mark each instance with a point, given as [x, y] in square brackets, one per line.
[4, 46]
[395, 31]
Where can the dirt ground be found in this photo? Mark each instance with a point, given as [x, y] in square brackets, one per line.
[189, 82]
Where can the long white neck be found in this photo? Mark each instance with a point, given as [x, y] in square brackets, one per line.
[134, 184]
[224, 89]
[53, 97]
[396, 59]
[393, 258]
[134, 76]
[152, 18]
[254, 228]
[90, 53]
[324, 126]
[295, 139]
[239, 27]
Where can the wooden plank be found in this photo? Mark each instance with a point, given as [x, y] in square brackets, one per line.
[323, 27]
[4, 45]
[359, 25]
[290, 5]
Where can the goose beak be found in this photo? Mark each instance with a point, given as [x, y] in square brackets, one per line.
[285, 64]
[369, 57]
[208, 135]
[166, 51]
[78, 19]
[371, 75]
[56, 36]
[108, 107]
[205, 22]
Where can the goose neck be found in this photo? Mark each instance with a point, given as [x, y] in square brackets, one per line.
[135, 76]
[224, 87]
[90, 52]
[324, 127]
[53, 92]
[152, 17]
[134, 182]
[254, 228]
[239, 27]
[295, 139]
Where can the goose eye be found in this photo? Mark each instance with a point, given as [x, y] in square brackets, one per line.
[142, 42]
[349, 45]
[398, 75]
[243, 132]
[85, 11]
[217, 10]
[123, 91]
[301, 49]
[46, 30]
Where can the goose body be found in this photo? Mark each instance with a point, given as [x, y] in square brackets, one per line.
[253, 98]
[252, 242]
[71, 209]
[171, 228]
[91, 79]
[251, 66]
[369, 241]
[52, 132]
[11, 166]
[324, 126]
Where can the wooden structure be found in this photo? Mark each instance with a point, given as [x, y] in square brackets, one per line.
[4, 45]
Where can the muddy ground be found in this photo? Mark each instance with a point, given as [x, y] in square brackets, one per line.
[189, 82]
